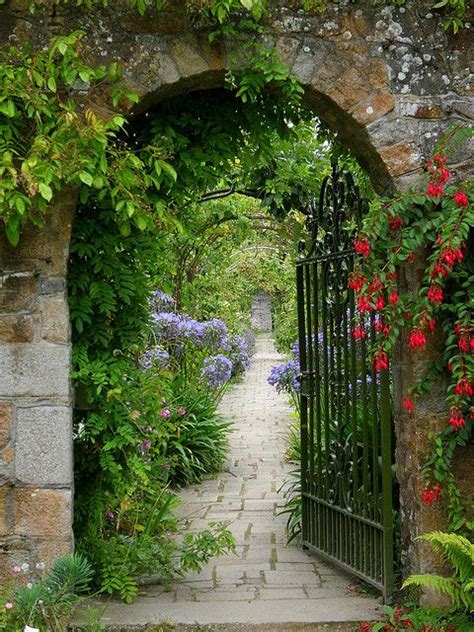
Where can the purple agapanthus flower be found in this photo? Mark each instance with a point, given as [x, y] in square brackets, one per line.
[154, 357]
[285, 377]
[161, 302]
[215, 335]
[217, 370]
[238, 354]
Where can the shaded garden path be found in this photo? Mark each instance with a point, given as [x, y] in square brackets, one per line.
[266, 581]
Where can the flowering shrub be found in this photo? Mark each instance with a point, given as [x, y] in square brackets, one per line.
[217, 370]
[436, 224]
[286, 377]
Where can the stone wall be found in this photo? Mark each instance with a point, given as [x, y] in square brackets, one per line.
[36, 471]
[389, 79]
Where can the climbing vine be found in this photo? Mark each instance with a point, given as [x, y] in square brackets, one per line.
[433, 230]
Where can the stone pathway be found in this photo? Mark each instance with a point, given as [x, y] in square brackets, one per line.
[266, 582]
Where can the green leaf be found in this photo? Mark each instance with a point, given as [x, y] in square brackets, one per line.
[45, 191]
[13, 230]
[86, 178]
[52, 84]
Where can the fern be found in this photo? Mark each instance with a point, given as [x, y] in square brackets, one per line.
[459, 552]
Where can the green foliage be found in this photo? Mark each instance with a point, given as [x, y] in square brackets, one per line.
[50, 603]
[458, 551]
[419, 619]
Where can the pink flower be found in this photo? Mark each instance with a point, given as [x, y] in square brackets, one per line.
[181, 411]
[16, 569]
[9, 605]
[165, 413]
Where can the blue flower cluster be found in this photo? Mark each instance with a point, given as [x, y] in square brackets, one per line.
[175, 333]
[217, 370]
[154, 357]
[284, 377]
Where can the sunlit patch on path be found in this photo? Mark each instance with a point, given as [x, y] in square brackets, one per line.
[267, 581]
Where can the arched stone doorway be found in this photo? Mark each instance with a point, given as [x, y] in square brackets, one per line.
[371, 74]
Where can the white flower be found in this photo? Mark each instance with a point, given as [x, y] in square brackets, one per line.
[29, 585]
[25, 567]
[27, 628]
[40, 566]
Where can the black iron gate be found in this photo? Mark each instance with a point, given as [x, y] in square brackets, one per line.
[346, 456]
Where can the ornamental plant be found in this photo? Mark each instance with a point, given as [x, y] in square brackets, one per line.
[433, 227]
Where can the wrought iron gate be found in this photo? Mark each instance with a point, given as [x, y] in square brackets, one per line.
[346, 425]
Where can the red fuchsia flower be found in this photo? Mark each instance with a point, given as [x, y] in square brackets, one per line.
[464, 345]
[432, 324]
[438, 270]
[376, 285]
[362, 247]
[411, 257]
[408, 404]
[464, 387]
[359, 332]
[364, 626]
[429, 495]
[393, 298]
[444, 175]
[461, 199]
[450, 257]
[417, 339]
[356, 282]
[363, 305]
[395, 222]
[380, 304]
[438, 240]
[381, 361]
[435, 295]
[456, 420]
[434, 190]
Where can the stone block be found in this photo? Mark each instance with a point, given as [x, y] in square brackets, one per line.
[6, 420]
[55, 318]
[43, 513]
[48, 551]
[34, 370]
[51, 285]
[17, 292]
[44, 445]
[400, 158]
[185, 52]
[18, 328]
[374, 108]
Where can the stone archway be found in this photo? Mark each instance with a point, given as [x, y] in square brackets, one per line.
[387, 79]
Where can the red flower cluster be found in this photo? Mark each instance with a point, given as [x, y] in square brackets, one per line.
[464, 387]
[438, 270]
[456, 420]
[435, 190]
[359, 332]
[461, 199]
[431, 495]
[381, 361]
[435, 294]
[417, 339]
[450, 257]
[356, 281]
[362, 247]
[408, 404]
[393, 297]
[381, 327]
[465, 341]
[364, 305]
[395, 222]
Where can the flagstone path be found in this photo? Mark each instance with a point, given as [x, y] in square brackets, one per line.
[267, 581]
